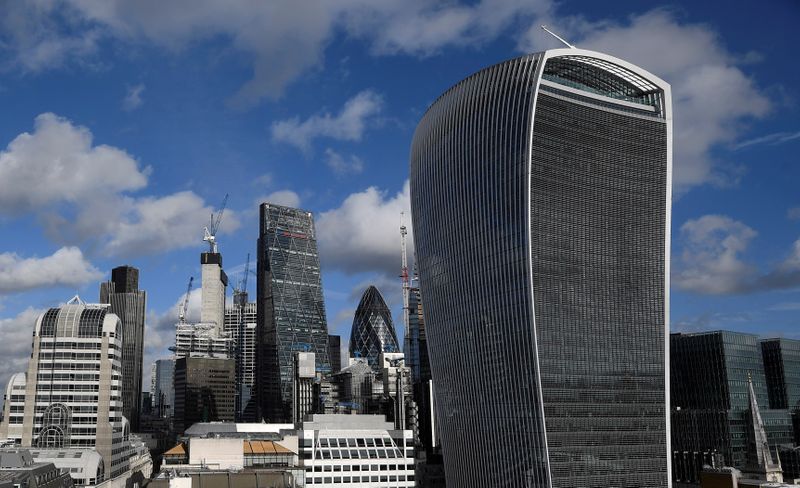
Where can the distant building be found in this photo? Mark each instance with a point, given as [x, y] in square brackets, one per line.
[164, 387]
[360, 388]
[18, 469]
[291, 310]
[205, 390]
[69, 403]
[373, 330]
[782, 370]
[240, 325]
[214, 283]
[356, 451]
[304, 369]
[711, 399]
[417, 343]
[128, 303]
[335, 352]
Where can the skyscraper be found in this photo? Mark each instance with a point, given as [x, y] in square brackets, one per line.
[373, 330]
[335, 352]
[240, 324]
[540, 196]
[291, 311]
[205, 390]
[129, 303]
[164, 387]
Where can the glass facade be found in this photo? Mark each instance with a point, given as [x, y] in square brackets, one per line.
[291, 311]
[710, 403]
[373, 330]
[540, 209]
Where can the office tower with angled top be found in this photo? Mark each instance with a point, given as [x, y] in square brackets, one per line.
[540, 197]
[290, 307]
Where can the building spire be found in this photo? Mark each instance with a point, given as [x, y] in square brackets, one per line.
[759, 456]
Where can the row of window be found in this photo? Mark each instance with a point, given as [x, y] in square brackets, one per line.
[359, 467]
[360, 479]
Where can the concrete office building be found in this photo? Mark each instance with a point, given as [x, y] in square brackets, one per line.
[214, 282]
[291, 310]
[128, 303]
[240, 325]
[356, 451]
[205, 390]
[540, 197]
[304, 369]
[69, 403]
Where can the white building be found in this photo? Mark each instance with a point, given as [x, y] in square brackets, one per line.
[70, 399]
[240, 325]
[358, 451]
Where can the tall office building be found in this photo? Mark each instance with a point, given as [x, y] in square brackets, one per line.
[291, 311]
[69, 403]
[128, 303]
[540, 196]
[240, 325]
[163, 390]
[335, 352]
[373, 330]
[715, 378]
[417, 343]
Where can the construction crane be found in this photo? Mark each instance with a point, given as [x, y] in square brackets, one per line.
[185, 304]
[210, 233]
[240, 292]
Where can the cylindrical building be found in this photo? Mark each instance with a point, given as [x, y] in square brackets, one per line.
[540, 193]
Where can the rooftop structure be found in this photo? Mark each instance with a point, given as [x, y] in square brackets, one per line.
[19, 469]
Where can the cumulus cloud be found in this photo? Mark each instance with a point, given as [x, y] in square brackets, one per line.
[80, 191]
[705, 78]
[711, 259]
[15, 348]
[342, 165]
[363, 234]
[58, 162]
[133, 97]
[65, 267]
[712, 263]
[287, 198]
[348, 125]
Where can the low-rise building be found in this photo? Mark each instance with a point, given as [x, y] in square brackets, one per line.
[18, 469]
[356, 451]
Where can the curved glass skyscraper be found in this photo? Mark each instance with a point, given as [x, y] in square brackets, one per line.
[540, 192]
[373, 331]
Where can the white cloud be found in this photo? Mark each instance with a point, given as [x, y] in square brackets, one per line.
[152, 225]
[793, 213]
[712, 95]
[58, 163]
[15, 348]
[133, 97]
[348, 125]
[342, 165]
[711, 262]
[79, 191]
[711, 259]
[65, 267]
[287, 198]
[363, 234]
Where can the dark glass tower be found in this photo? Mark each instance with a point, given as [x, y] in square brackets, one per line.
[373, 330]
[710, 379]
[129, 303]
[540, 192]
[291, 311]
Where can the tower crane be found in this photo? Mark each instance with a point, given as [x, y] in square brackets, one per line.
[185, 304]
[210, 233]
[240, 292]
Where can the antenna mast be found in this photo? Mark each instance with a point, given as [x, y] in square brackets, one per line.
[544, 27]
[404, 277]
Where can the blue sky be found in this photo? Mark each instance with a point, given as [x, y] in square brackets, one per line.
[125, 123]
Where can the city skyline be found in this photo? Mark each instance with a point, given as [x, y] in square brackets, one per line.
[735, 218]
